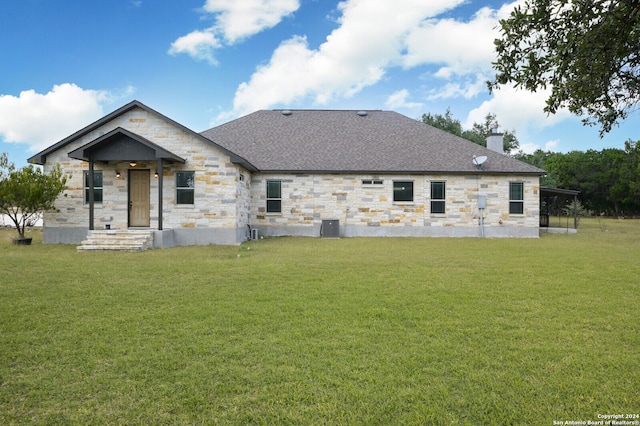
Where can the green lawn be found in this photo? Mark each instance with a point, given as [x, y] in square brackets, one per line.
[313, 331]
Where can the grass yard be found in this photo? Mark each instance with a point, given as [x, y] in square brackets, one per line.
[312, 331]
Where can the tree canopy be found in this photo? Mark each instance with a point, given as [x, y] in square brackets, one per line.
[28, 191]
[608, 180]
[586, 52]
[477, 134]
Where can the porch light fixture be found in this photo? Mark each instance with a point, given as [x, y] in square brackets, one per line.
[155, 175]
[133, 164]
[117, 174]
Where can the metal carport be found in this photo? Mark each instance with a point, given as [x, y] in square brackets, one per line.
[553, 197]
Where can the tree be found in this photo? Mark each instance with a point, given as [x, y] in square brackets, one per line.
[444, 122]
[586, 52]
[604, 178]
[631, 175]
[477, 134]
[540, 158]
[27, 192]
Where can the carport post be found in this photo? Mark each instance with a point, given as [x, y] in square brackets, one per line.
[575, 212]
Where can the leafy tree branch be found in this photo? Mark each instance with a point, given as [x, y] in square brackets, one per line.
[586, 52]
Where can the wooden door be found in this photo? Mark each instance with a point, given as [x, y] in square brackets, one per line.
[139, 204]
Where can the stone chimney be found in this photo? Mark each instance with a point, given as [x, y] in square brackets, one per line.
[495, 141]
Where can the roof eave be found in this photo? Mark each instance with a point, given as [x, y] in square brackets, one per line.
[399, 172]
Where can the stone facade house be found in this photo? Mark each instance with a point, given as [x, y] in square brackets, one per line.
[285, 172]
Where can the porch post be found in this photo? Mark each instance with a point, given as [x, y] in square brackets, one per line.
[159, 171]
[575, 211]
[91, 195]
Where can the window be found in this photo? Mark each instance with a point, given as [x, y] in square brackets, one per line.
[274, 196]
[97, 187]
[516, 198]
[185, 182]
[372, 181]
[437, 197]
[402, 191]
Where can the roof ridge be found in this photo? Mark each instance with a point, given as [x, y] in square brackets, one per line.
[326, 110]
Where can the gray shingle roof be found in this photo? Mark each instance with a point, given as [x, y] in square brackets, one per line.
[348, 141]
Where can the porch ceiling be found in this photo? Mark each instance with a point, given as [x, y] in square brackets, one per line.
[552, 192]
[123, 145]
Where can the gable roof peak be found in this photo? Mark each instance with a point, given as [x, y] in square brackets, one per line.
[41, 157]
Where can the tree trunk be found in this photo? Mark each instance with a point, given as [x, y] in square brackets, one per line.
[14, 218]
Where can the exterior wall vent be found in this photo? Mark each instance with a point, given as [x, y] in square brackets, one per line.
[330, 228]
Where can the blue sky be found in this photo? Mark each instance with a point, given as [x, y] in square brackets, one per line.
[203, 62]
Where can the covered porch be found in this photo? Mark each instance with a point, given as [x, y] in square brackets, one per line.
[141, 159]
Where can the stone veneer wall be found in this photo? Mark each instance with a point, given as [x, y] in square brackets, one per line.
[218, 216]
[369, 210]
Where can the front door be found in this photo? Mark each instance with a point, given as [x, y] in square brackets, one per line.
[139, 198]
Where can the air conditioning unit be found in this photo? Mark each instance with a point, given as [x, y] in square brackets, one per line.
[330, 228]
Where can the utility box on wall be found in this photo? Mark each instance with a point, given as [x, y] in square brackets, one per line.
[330, 228]
[482, 201]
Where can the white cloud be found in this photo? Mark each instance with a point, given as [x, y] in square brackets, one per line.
[199, 45]
[463, 50]
[530, 148]
[551, 145]
[522, 111]
[517, 109]
[399, 99]
[466, 87]
[463, 47]
[234, 21]
[372, 37]
[40, 120]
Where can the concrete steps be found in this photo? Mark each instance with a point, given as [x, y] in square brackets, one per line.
[117, 239]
